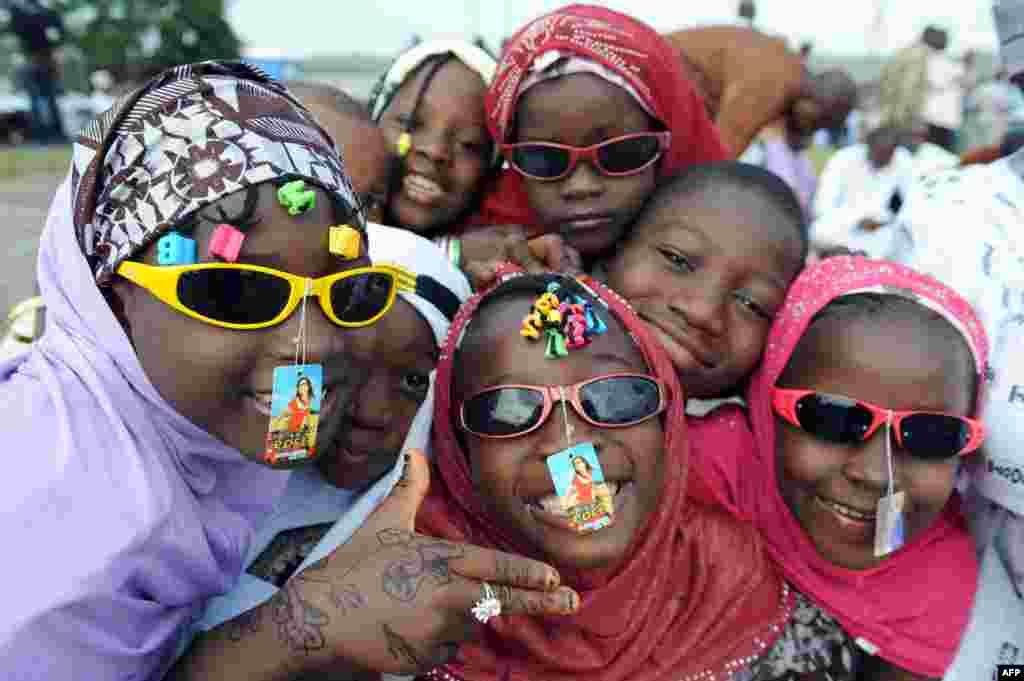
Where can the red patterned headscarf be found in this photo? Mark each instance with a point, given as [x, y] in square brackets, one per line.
[695, 598]
[628, 48]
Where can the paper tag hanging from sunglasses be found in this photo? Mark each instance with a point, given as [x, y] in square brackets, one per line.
[294, 414]
[583, 495]
[889, 535]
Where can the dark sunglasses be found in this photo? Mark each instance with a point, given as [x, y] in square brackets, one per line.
[610, 401]
[930, 436]
[616, 157]
[247, 297]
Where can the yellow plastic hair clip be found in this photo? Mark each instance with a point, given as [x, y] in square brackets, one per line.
[345, 242]
[404, 144]
[532, 324]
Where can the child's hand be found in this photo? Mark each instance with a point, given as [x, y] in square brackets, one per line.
[395, 601]
[484, 249]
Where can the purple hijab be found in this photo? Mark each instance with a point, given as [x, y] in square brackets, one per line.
[126, 517]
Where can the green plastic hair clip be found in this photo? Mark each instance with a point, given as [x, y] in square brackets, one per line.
[296, 198]
[556, 344]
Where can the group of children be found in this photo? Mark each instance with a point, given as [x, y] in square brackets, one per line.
[779, 445]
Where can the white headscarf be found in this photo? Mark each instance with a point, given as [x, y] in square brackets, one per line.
[469, 54]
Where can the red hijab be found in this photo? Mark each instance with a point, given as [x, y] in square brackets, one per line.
[696, 595]
[915, 604]
[627, 47]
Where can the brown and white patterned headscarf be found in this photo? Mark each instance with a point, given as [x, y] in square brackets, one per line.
[188, 138]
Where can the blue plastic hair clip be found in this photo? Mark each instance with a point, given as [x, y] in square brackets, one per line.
[174, 249]
[595, 325]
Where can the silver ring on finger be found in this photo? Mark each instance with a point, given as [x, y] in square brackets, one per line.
[488, 606]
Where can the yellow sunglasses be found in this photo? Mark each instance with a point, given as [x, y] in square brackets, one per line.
[246, 297]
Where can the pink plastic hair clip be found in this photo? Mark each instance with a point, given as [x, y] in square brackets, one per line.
[226, 243]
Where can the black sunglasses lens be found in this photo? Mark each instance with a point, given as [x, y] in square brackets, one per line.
[505, 411]
[361, 297]
[540, 160]
[832, 418]
[628, 154]
[620, 400]
[934, 436]
[234, 296]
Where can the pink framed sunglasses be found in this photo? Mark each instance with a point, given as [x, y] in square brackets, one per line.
[926, 435]
[609, 401]
[616, 157]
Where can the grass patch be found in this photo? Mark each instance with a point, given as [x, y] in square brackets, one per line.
[24, 160]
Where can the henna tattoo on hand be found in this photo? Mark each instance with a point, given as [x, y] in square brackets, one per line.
[514, 572]
[247, 623]
[347, 598]
[300, 624]
[400, 649]
[393, 536]
[403, 576]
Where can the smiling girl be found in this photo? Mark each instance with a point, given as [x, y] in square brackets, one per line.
[430, 107]
[669, 589]
[867, 397]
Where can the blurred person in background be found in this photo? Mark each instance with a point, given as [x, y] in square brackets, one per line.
[860, 193]
[947, 82]
[783, 151]
[40, 32]
[903, 84]
[102, 97]
[988, 112]
[927, 157]
[750, 80]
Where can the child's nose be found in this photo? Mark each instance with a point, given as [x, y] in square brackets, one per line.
[868, 464]
[583, 182]
[563, 429]
[434, 146]
[309, 336]
[702, 307]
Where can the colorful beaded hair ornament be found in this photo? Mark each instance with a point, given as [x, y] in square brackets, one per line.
[564, 319]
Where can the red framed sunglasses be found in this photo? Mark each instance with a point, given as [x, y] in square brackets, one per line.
[609, 401]
[926, 435]
[616, 157]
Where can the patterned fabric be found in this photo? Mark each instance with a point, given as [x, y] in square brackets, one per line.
[286, 552]
[186, 139]
[812, 643]
[556, 64]
[985, 263]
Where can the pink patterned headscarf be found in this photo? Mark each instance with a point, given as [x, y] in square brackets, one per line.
[912, 608]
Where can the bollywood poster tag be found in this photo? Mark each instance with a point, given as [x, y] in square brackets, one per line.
[581, 489]
[294, 414]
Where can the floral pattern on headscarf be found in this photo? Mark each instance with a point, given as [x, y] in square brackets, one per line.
[186, 139]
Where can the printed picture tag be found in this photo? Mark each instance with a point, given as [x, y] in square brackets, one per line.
[581, 489]
[295, 414]
[889, 524]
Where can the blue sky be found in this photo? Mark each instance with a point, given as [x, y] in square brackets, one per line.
[345, 26]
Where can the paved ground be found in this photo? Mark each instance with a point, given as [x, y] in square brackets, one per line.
[23, 206]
